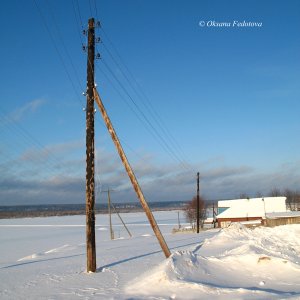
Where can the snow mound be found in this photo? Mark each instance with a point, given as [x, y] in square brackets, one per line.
[237, 263]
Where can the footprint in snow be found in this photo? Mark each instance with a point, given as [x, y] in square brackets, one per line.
[39, 255]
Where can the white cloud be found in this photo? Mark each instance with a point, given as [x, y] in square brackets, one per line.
[51, 151]
[28, 108]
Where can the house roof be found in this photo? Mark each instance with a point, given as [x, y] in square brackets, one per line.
[287, 214]
[253, 207]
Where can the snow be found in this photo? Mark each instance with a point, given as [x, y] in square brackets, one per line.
[48, 262]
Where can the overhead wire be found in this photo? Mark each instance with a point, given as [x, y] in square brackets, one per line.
[80, 18]
[64, 45]
[98, 181]
[146, 103]
[144, 119]
[150, 110]
[153, 131]
[50, 163]
[77, 22]
[38, 155]
[90, 5]
[57, 50]
[122, 140]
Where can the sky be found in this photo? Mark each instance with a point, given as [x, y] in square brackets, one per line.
[185, 95]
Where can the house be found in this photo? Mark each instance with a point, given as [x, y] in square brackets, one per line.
[250, 211]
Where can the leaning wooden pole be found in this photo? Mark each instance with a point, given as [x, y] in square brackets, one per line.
[132, 177]
[121, 219]
[90, 163]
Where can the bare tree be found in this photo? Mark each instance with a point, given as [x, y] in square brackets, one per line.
[275, 192]
[259, 195]
[191, 211]
[244, 196]
[292, 199]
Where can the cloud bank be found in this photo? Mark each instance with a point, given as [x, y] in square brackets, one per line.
[39, 177]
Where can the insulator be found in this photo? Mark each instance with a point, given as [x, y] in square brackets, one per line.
[98, 56]
[84, 32]
[95, 110]
[84, 109]
[84, 93]
[98, 40]
[83, 47]
[98, 24]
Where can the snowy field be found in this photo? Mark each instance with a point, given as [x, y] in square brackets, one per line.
[44, 258]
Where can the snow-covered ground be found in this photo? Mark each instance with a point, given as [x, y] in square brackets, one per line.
[44, 258]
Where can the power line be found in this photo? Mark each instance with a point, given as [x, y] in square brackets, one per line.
[144, 119]
[76, 6]
[90, 5]
[162, 127]
[64, 46]
[147, 103]
[30, 140]
[56, 48]
[79, 14]
[80, 20]
[149, 108]
[154, 130]
[96, 10]
[78, 23]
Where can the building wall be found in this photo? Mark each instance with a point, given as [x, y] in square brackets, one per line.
[282, 221]
[225, 222]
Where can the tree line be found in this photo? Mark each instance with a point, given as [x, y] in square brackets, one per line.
[292, 197]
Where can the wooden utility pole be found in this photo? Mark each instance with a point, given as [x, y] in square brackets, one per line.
[132, 177]
[179, 226]
[90, 164]
[214, 214]
[198, 203]
[109, 212]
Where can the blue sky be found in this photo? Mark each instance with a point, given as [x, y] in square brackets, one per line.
[229, 96]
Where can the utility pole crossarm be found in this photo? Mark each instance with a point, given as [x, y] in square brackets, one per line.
[131, 175]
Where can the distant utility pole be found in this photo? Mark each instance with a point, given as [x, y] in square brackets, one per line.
[90, 163]
[198, 203]
[214, 214]
[109, 213]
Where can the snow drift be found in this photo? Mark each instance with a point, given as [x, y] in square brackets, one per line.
[237, 263]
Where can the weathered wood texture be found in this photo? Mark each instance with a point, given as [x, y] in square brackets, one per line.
[90, 164]
[282, 221]
[131, 175]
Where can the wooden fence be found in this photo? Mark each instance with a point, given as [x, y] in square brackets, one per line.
[282, 221]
